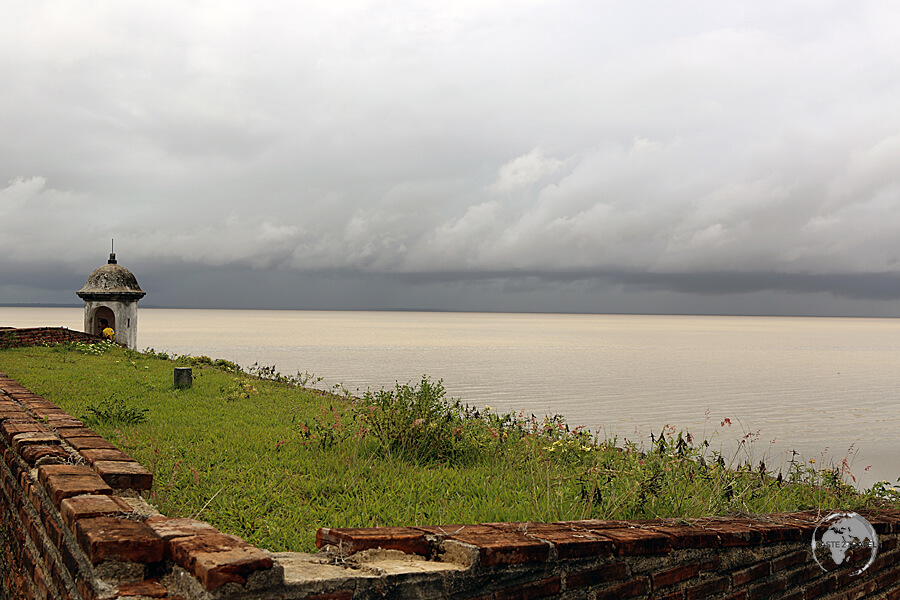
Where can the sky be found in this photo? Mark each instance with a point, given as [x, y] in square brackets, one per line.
[696, 156]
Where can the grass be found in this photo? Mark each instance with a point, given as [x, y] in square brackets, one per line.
[263, 458]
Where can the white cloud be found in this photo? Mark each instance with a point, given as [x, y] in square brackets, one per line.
[524, 171]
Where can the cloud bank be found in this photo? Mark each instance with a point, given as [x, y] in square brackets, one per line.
[704, 156]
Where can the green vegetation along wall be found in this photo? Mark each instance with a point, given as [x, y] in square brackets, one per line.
[73, 525]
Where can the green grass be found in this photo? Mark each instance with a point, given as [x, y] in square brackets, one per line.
[272, 462]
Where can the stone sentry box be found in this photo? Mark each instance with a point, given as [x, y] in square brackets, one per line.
[112, 292]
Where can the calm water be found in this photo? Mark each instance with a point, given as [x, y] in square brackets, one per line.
[804, 383]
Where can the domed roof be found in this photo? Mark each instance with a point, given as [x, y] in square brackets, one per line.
[111, 281]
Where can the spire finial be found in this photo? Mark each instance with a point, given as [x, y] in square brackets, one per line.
[112, 252]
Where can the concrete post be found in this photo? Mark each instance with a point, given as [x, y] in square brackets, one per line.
[184, 377]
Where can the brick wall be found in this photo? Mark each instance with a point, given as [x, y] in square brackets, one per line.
[35, 336]
[73, 525]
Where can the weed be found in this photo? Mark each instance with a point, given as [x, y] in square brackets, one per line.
[113, 411]
[238, 389]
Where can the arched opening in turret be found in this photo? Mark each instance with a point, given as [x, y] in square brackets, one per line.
[101, 313]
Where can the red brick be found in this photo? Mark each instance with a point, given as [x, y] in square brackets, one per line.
[675, 575]
[170, 528]
[817, 590]
[88, 507]
[805, 521]
[32, 454]
[734, 534]
[54, 531]
[13, 413]
[888, 579]
[707, 588]
[710, 564]
[92, 455]
[530, 591]
[687, 536]
[46, 471]
[766, 590]
[10, 428]
[83, 443]
[352, 540]
[633, 542]
[59, 421]
[596, 576]
[150, 588]
[65, 481]
[859, 590]
[123, 539]
[802, 575]
[794, 558]
[630, 589]
[78, 431]
[123, 475]
[883, 524]
[46, 414]
[218, 558]
[750, 574]
[31, 438]
[569, 542]
[342, 595]
[503, 547]
[595, 524]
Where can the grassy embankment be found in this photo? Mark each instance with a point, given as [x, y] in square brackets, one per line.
[271, 462]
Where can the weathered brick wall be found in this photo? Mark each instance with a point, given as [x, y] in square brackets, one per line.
[73, 526]
[35, 336]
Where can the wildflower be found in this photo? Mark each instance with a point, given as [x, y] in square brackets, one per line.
[418, 422]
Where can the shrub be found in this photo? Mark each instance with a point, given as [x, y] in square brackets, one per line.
[420, 424]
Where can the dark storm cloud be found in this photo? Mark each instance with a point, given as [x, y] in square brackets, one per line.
[457, 154]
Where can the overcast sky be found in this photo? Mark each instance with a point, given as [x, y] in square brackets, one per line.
[691, 156]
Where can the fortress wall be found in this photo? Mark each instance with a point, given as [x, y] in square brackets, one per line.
[36, 336]
[73, 526]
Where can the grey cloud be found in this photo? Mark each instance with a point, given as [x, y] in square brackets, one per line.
[496, 148]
